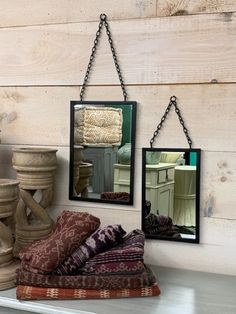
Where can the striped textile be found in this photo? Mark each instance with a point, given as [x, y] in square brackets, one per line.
[36, 293]
[146, 278]
[124, 259]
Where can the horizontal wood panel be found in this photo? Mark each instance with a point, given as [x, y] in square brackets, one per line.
[218, 183]
[40, 115]
[203, 257]
[20, 13]
[150, 51]
[184, 7]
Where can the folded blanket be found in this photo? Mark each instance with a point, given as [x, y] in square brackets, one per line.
[100, 241]
[146, 278]
[71, 229]
[36, 293]
[126, 258]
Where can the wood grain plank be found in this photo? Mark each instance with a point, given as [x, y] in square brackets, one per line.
[151, 51]
[185, 7]
[218, 183]
[20, 13]
[40, 115]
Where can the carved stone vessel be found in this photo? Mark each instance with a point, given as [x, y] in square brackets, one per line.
[8, 202]
[35, 169]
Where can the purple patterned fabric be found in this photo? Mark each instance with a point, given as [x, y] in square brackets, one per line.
[100, 241]
[126, 258]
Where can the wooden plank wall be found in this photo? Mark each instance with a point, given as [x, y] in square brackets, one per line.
[185, 48]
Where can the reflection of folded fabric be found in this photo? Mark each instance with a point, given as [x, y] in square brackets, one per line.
[146, 278]
[158, 221]
[160, 225]
[119, 196]
[100, 241]
[126, 258]
[70, 230]
[36, 293]
[164, 232]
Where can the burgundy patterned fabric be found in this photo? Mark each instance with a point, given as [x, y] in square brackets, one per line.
[100, 241]
[119, 196]
[126, 258]
[71, 229]
[146, 278]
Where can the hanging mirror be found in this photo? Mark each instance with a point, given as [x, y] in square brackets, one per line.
[171, 189]
[171, 179]
[102, 151]
[102, 141]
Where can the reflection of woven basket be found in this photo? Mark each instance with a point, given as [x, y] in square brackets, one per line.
[98, 126]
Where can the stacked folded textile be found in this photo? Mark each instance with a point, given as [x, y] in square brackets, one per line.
[78, 260]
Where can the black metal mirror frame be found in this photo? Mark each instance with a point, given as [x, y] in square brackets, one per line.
[132, 160]
[198, 151]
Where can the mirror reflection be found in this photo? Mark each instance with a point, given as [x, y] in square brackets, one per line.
[170, 206]
[103, 151]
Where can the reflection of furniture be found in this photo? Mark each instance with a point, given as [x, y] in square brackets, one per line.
[121, 178]
[160, 187]
[185, 196]
[103, 159]
[98, 125]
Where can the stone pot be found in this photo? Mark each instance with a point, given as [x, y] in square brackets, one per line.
[35, 167]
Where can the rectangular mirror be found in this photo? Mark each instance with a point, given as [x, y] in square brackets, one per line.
[102, 143]
[170, 194]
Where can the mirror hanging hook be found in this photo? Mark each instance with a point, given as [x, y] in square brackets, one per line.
[103, 17]
[173, 102]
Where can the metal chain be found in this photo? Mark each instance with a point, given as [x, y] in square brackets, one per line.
[103, 21]
[177, 110]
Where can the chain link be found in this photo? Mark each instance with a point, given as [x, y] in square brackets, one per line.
[172, 102]
[103, 21]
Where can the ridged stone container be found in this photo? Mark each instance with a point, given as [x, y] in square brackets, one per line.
[8, 201]
[35, 169]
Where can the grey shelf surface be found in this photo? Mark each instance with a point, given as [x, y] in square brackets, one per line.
[182, 292]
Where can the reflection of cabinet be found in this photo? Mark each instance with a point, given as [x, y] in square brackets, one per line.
[121, 178]
[160, 187]
[103, 159]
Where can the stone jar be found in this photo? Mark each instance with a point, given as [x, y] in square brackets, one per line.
[124, 154]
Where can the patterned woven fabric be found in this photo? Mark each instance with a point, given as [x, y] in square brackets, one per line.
[100, 241]
[36, 293]
[98, 125]
[71, 229]
[119, 196]
[146, 278]
[126, 258]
